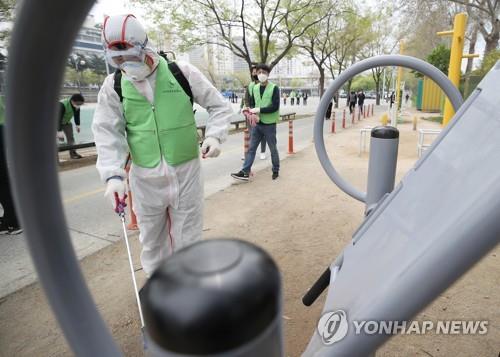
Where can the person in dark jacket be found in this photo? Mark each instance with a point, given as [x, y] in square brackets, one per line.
[69, 108]
[9, 223]
[361, 100]
[329, 111]
[352, 101]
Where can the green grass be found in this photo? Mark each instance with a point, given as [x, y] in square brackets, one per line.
[437, 119]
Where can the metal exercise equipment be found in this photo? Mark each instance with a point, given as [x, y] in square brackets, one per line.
[438, 221]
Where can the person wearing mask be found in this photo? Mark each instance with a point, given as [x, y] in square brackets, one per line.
[246, 103]
[9, 224]
[69, 108]
[145, 108]
[361, 100]
[265, 102]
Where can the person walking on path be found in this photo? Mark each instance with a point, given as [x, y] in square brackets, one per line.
[266, 104]
[361, 100]
[284, 98]
[146, 108]
[69, 108]
[9, 223]
[352, 102]
[304, 98]
[298, 98]
[292, 97]
[248, 103]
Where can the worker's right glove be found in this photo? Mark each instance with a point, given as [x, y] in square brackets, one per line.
[60, 135]
[115, 192]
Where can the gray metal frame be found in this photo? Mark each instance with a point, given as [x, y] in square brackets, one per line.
[357, 68]
[34, 77]
[367, 285]
[436, 224]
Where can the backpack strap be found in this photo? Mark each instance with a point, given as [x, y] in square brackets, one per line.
[117, 85]
[172, 66]
[179, 76]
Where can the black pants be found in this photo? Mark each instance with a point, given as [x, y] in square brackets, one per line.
[9, 214]
[361, 107]
[352, 105]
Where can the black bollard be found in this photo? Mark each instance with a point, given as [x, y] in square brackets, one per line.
[214, 298]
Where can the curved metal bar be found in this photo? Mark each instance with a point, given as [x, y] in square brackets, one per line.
[41, 41]
[379, 61]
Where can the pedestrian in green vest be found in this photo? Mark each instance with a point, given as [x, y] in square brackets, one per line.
[9, 223]
[292, 97]
[151, 117]
[247, 102]
[69, 108]
[266, 103]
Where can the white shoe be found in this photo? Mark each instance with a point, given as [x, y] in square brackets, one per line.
[262, 155]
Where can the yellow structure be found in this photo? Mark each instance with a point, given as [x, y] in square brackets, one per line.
[456, 55]
[432, 97]
[385, 119]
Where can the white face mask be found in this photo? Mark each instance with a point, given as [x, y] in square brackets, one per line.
[136, 71]
[262, 77]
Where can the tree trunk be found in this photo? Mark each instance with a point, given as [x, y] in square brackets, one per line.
[472, 49]
[321, 88]
[377, 89]
[491, 42]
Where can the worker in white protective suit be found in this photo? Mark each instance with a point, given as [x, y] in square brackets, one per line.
[155, 123]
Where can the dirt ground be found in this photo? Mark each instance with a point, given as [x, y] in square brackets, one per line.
[303, 221]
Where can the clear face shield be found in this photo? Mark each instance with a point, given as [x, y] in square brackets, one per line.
[120, 53]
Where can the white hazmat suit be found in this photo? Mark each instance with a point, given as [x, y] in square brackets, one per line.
[167, 200]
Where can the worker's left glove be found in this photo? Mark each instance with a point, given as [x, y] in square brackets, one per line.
[77, 128]
[255, 110]
[210, 147]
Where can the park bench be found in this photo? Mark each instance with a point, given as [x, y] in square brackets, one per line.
[236, 123]
[287, 116]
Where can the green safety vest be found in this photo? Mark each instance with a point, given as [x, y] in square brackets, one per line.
[167, 128]
[68, 111]
[266, 101]
[250, 92]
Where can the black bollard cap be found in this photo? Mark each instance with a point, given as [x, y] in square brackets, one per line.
[211, 297]
[385, 132]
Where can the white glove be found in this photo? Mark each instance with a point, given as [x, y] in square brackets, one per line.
[255, 110]
[115, 185]
[60, 135]
[210, 147]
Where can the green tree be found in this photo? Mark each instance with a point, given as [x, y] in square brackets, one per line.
[485, 14]
[350, 35]
[440, 58]
[97, 64]
[271, 27]
[316, 41]
[381, 42]
[7, 8]
[365, 83]
[488, 62]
